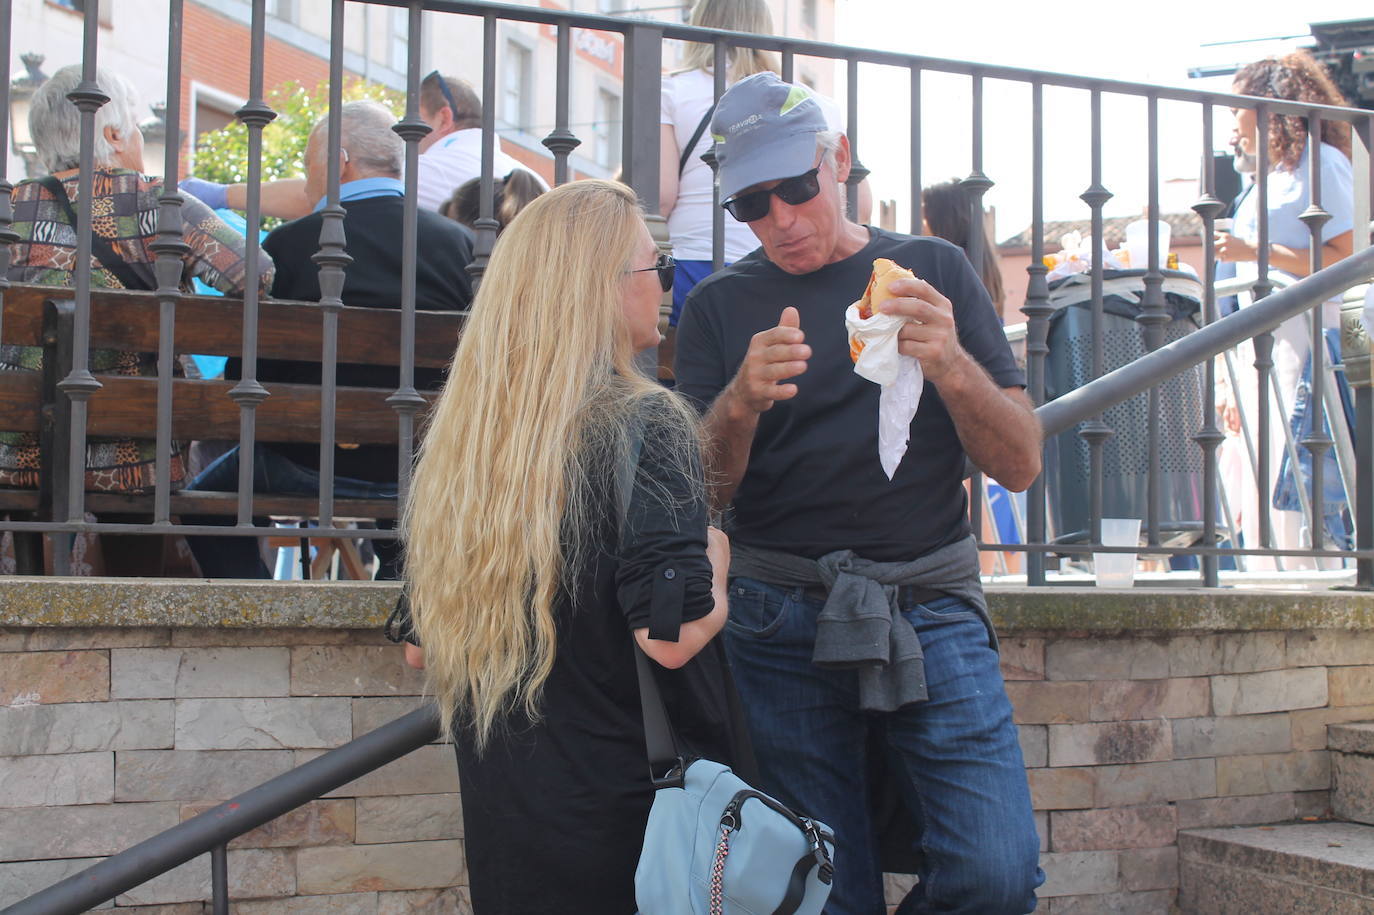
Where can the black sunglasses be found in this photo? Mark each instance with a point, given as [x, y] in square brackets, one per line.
[667, 270]
[448, 95]
[793, 192]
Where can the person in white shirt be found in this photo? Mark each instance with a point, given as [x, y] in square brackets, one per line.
[685, 182]
[450, 154]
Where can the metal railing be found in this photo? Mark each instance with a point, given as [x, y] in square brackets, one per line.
[643, 58]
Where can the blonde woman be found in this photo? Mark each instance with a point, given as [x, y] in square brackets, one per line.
[527, 596]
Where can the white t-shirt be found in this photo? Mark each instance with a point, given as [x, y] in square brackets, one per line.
[455, 159]
[683, 102]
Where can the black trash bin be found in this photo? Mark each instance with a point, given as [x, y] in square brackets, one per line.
[1125, 455]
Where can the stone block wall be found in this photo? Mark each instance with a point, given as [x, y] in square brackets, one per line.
[1140, 715]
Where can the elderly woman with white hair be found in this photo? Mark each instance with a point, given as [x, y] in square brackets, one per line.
[123, 228]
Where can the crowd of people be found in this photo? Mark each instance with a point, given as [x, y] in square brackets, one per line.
[835, 644]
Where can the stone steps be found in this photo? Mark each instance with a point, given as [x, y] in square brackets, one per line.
[1324, 868]
[1352, 771]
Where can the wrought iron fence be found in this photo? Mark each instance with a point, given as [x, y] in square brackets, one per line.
[1180, 358]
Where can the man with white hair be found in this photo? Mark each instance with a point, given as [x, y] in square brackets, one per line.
[124, 221]
[372, 194]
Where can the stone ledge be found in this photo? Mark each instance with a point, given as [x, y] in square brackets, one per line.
[219, 604]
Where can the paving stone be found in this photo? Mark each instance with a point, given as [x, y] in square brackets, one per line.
[1123, 700]
[396, 866]
[326, 822]
[1271, 691]
[432, 769]
[1049, 702]
[44, 638]
[1236, 735]
[1022, 658]
[47, 677]
[1333, 856]
[452, 901]
[353, 670]
[1061, 789]
[1267, 773]
[1215, 890]
[1356, 737]
[1113, 828]
[1351, 685]
[371, 712]
[257, 637]
[262, 724]
[410, 818]
[1152, 783]
[56, 781]
[1245, 810]
[897, 886]
[1107, 659]
[1145, 869]
[36, 833]
[1330, 648]
[1042, 828]
[194, 775]
[340, 904]
[1110, 742]
[1078, 873]
[157, 673]
[1310, 725]
[80, 727]
[1352, 796]
[21, 879]
[1156, 902]
[1034, 745]
[1226, 653]
[1312, 804]
[254, 873]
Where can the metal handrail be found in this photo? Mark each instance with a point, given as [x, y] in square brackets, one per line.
[1204, 343]
[213, 829]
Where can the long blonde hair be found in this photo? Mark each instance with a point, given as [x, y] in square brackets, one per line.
[735, 16]
[511, 476]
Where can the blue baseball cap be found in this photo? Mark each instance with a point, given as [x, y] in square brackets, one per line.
[764, 130]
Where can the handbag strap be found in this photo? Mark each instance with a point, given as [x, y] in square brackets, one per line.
[104, 253]
[659, 740]
[696, 135]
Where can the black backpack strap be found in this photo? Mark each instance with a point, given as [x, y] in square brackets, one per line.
[696, 135]
[665, 763]
[100, 246]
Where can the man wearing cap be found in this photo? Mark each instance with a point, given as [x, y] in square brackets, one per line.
[858, 633]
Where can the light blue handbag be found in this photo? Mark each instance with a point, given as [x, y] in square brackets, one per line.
[713, 844]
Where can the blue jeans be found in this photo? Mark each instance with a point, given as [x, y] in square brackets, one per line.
[956, 756]
[238, 557]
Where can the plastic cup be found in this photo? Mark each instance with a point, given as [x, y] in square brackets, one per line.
[1117, 570]
[1138, 243]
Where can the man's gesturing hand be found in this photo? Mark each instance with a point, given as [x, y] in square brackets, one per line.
[930, 335]
[774, 356]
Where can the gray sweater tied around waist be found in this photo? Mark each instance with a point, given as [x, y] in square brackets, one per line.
[861, 625]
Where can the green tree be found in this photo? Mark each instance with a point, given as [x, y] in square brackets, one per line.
[222, 155]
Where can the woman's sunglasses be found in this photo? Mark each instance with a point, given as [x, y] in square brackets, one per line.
[793, 192]
[667, 269]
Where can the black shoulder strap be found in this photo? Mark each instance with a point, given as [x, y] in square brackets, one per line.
[659, 741]
[696, 135]
[100, 246]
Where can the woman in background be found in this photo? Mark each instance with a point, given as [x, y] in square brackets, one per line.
[510, 195]
[527, 596]
[945, 210]
[1300, 78]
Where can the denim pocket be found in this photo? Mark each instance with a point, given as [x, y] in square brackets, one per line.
[756, 610]
[945, 608]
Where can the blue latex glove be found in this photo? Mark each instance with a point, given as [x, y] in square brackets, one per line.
[208, 192]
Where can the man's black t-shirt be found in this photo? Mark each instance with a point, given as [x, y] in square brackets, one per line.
[814, 483]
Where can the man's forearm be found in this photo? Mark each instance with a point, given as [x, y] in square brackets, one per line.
[730, 427]
[283, 199]
[996, 426]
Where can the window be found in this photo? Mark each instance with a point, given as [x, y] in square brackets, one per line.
[105, 15]
[606, 130]
[398, 38]
[284, 10]
[517, 77]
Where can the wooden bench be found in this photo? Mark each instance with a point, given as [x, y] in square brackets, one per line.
[126, 407]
